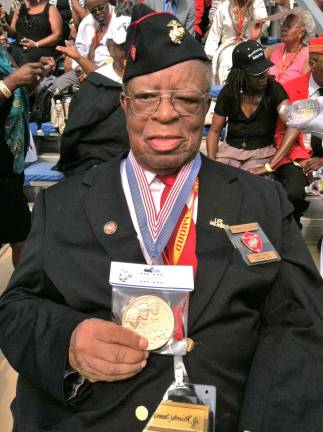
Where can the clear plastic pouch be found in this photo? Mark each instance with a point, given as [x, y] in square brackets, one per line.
[252, 243]
[153, 301]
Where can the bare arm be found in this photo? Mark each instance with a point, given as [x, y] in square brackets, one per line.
[212, 140]
[56, 25]
[78, 12]
[287, 143]
[71, 51]
[12, 26]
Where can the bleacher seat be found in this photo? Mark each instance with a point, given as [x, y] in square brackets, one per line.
[39, 173]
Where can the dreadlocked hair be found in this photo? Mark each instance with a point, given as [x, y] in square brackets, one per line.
[237, 83]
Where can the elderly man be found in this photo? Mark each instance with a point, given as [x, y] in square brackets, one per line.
[258, 329]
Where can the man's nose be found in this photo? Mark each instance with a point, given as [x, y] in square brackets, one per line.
[165, 111]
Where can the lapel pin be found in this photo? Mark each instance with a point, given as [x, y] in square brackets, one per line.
[110, 227]
[218, 223]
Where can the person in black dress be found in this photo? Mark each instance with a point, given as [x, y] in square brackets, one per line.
[38, 28]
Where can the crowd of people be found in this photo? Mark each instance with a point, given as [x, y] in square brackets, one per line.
[130, 155]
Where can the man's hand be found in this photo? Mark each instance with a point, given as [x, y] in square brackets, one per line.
[70, 51]
[104, 351]
[29, 73]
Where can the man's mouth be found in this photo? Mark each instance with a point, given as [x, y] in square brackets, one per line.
[165, 143]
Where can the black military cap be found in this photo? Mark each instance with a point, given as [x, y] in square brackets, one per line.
[157, 40]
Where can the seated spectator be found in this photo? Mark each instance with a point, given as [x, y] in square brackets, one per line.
[91, 49]
[37, 30]
[250, 102]
[309, 86]
[184, 10]
[96, 128]
[290, 57]
[232, 23]
[14, 139]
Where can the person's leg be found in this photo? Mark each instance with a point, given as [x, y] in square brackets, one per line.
[66, 80]
[294, 181]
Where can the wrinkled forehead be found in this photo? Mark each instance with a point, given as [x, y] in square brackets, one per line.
[293, 20]
[188, 75]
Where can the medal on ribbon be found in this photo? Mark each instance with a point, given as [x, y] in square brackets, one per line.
[156, 229]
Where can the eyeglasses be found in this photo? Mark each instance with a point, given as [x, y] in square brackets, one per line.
[97, 9]
[184, 102]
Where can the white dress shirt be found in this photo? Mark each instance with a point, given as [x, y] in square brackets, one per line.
[156, 188]
[84, 38]
[108, 71]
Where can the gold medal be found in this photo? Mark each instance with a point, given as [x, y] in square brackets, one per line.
[151, 317]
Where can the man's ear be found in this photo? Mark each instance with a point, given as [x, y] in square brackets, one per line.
[207, 104]
[123, 102]
[312, 64]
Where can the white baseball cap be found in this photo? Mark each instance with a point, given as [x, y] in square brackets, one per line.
[118, 29]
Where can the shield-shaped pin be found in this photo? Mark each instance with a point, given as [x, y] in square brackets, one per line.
[252, 241]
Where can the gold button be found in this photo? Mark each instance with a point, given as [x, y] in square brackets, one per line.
[141, 413]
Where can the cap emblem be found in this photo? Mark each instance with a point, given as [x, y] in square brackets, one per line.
[177, 32]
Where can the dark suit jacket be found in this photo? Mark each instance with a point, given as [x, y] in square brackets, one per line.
[96, 129]
[259, 329]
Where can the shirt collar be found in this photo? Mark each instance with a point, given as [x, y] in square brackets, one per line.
[150, 176]
[312, 86]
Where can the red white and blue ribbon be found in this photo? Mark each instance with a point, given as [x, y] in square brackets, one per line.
[156, 229]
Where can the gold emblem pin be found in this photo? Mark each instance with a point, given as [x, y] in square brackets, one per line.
[177, 32]
[141, 413]
[218, 223]
[110, 227]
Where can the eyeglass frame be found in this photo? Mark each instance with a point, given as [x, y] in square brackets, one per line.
[202, 97]
[98, 8]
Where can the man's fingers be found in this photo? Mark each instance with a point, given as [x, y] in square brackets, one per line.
[123, 336]
[115, 353]
[106, 368]
[116, 334]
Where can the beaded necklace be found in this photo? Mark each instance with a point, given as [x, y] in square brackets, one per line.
[283, 64]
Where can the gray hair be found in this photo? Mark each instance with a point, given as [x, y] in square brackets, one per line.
[308, 22]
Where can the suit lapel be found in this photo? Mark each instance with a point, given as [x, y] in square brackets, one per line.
[105, 202]
[219, 197]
